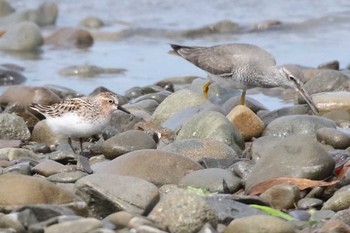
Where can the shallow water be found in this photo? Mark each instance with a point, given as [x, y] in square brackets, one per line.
[316, 32]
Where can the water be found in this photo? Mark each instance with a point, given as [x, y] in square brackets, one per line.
[317, 33]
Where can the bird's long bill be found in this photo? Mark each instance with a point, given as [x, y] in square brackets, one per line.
[308, 99]
[123, 109]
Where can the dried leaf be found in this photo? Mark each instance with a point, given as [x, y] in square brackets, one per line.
[301, 183]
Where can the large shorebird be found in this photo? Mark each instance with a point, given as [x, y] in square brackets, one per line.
[245, 65]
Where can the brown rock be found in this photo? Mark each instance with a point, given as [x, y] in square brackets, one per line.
[249, 124]
[332, 101]
[43, 134]
[283, 196]
[24, 190]
[26, 95]
[70, 37]
[48, 168]
[158, 167]
[334, 226]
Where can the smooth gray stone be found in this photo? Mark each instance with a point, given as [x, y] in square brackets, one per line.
[295, 156]
[297, 125]
[13, 127]
[106, 193]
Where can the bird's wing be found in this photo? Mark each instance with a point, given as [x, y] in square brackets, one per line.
[58, 109]
[223, 60]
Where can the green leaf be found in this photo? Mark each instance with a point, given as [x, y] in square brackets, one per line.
[273, 212]
[200, 191]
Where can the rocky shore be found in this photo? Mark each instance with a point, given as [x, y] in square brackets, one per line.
[180, 162]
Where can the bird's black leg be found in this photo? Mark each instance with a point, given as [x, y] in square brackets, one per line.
[81, 146]
[70, 144]
[242, 100]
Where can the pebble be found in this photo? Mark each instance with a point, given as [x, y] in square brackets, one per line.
[8, 222]
[308, 203]
[211, 125]
[175, 103]
[259, 223]
[13, 127]
[332, 101]
[106, 193]
[13, 154]
[297, 125]
[197, 149]
[70, 38]
[131, 140]
[12, 39]
[282, 196]
[66, 177]
[333, 137]
[215, 180]
[305, 157]
[26, 190]
[248, 124]
[181, 211]
[42, 133]
[339, 201]
[170, 167]
[84, 225]
[92, 22]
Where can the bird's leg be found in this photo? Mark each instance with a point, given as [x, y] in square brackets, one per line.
[206, 88]
[70, 144]
[81, 145]
[242, 100]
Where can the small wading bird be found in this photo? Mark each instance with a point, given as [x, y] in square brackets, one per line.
[245, 65]
[80, 117]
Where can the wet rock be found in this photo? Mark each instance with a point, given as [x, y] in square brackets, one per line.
[106, 193]
[12, 39]
[267, 24]
[211, 125]
[227, 209]
[42, 133]
[342, 215]
[259, 223]
[5, 8]
[26, 190]
[179, 83]
[92, 22]
[212, 179]
[334, 226]
[221, 27]
[67, 177]
[295, 156]
[176, 121]
[197, 149]
[32, 214]
[332, 101]
[249, 124]
[48, 167]
[242, 168]
[333, 137]
[10, 77]
[147, 105]
[155, 131]
[70, 38]
[297, 125]
[341, 117]
[119, 219]
[175, 103]
[26, 95]
[282, 196]
[84, 225]
[158, 97]
[128, 141]
[260, 144]
[89, 71]
[286, 111]
[182, 211]
[18, 153]
[331, 65]
[170, 167]
[9, 222]
[327, 81]
[13, 127]
[339, 201]
[22, 112]
[308, 203]
[23, 168]
[123, 121]
[45, 15]
[10, 143]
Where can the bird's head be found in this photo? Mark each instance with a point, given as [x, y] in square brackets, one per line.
[289, 80]
[110, 102]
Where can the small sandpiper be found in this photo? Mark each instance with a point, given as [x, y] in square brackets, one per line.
[80, 117]
[245, 65]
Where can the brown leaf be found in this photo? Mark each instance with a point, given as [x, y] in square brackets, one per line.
[301, 183]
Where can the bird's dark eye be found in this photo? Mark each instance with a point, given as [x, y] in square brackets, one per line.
[111, 101]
